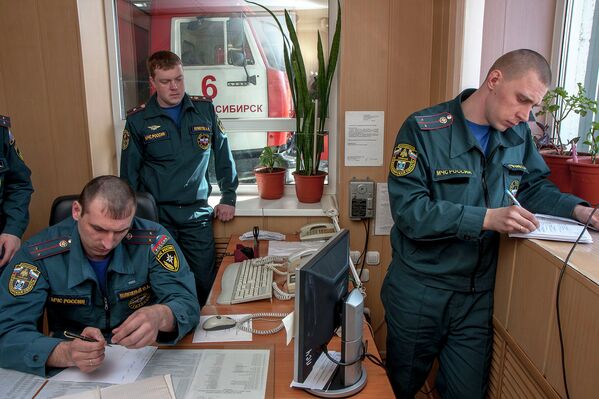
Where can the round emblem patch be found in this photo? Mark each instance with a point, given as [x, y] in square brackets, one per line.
[168, 258]
[126, 138]
[23, 279]
[404, 160]
[204, 141]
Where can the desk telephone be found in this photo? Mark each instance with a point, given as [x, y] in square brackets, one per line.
[317, 231]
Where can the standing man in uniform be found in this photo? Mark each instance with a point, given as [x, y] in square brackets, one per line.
[15, 194]
[450, 169]
[167, 145]
[104, 274]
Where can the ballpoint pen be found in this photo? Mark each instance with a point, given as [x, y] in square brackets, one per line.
[514, 200]
[72, 335]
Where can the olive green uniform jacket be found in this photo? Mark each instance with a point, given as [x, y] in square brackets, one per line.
[15, 184]
[51, 271]
[440, 186]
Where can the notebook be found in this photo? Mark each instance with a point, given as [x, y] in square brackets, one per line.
[556, 228]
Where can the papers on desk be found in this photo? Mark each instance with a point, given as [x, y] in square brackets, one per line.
[556, 228]
[286, 248]
[321, 372]
[158, 387]
[120, 366]
[263, 235]
[19, 385]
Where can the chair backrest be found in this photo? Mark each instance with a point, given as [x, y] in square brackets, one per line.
[61, 207]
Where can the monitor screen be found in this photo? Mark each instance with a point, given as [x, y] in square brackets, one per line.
[321, 286]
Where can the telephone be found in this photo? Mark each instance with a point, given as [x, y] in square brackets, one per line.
[317, 231]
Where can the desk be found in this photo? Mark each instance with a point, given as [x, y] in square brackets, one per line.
[377, 385]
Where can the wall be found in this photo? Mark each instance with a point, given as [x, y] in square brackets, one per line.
[41, 90]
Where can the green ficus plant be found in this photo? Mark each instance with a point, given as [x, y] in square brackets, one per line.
[271, 159]
[559, 104]
[592, 140]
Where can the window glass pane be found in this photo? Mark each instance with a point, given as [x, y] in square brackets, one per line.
[580, 60]
[231, 52]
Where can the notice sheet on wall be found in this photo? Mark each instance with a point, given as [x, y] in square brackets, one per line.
[364, 135]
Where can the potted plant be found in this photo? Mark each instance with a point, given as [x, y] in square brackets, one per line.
[558, 104]
[270, 178]
[585, 170]
[311, 108]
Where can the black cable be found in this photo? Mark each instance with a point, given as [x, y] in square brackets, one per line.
[362, 257]
[559, 284]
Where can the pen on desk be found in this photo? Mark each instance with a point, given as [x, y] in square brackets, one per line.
[72, 335]
[514, 200]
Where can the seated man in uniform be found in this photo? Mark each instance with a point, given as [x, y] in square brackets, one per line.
[104, 274]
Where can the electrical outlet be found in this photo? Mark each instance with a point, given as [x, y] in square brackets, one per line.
[373, 258]
[361, 199]
[365, 276]
[355, 256]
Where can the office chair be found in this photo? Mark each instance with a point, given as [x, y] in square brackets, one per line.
[61, 207]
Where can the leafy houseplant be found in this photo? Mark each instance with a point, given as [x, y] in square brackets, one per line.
[558, 104]
[311, 109]
[585, 170]
[270, 178]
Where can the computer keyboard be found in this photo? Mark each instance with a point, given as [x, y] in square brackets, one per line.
[245, 282]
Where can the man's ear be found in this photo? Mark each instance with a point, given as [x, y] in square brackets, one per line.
[76, 210]
[495, 76]
[152, 83]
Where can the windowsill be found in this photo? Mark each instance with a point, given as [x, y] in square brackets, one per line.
[253, 205]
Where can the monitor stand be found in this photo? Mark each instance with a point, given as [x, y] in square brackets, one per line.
[348, 380]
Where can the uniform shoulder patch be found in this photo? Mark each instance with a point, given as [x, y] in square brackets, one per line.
[23, 279]
[140, 236]
[168, 258]
[403, 160]
[200, 98]
[49, 248]
[159, 242]
[434, 122]
[4, 121]
[136, 109]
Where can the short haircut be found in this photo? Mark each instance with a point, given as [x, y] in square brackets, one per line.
[162, 60]
[516, 63]
[119, 198]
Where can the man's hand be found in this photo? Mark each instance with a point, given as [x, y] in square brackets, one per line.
[582, 213]
[87, 356]
[512, 219]
[224, 212]
[10, 245]
[141, 328]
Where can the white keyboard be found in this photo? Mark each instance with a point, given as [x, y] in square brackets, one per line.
[245, 282]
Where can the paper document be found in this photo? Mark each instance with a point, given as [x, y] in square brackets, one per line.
[286, 248]
[321, 372]
[556, 229]
[262, 235]
[230, 373]
[18, 385]
[158, 387]
[229, 335]
[120, 366]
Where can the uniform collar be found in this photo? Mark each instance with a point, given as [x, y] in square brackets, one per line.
[79, 268]
[461, 139]
[153, 109]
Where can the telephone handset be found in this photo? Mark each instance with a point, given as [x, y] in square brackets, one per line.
[317, 231]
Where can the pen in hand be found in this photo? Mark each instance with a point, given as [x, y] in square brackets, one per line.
[72, 335]
[514, 200]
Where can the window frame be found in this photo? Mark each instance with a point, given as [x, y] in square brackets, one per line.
[230, 125]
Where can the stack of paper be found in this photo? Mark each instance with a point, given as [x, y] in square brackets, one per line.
[158, 387]
[557, 229]
[263, 235]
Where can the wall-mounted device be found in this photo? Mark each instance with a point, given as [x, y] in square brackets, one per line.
[361, 199]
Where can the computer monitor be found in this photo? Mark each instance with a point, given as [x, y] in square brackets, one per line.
[322, 304]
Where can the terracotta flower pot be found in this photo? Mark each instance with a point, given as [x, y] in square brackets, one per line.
[560, 171]
[308, 189]
[271, 185]
[585, 179]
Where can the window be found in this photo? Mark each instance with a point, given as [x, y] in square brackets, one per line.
[579, 59]
[231, 53]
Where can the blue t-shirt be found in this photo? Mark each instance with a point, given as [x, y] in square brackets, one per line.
[100, 267]
[174, 113]
[481, 132]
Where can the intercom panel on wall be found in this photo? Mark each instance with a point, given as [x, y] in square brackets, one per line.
[361, 199]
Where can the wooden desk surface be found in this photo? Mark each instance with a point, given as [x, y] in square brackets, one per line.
[377, 385]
